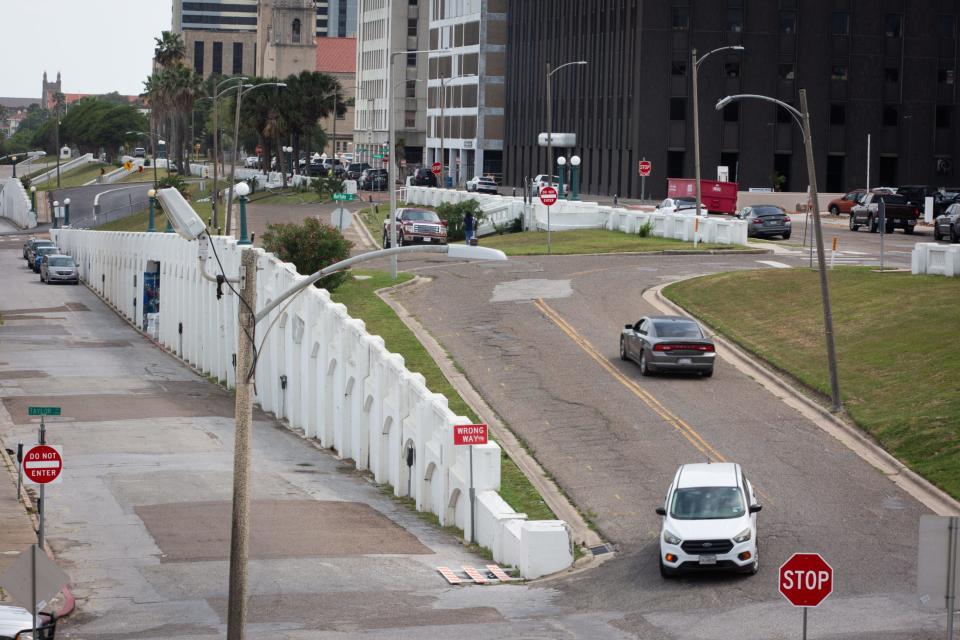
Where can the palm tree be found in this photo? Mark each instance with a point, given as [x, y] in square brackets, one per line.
[183, 88]
[169, 49]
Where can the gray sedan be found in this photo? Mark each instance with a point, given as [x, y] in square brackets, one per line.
[668, 343]
[765, 220]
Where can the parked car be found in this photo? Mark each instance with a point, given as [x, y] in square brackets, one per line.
[709, 520]
[540, 181]
[482, 184]
[915, 194]
[416, 226]
[765, 220]
[38, 254]
[17, 623]
[899, 212]
[948, 224]
[423, 177]
[252, 162]
[55, 267]
[355, 169]
[685, 206]
[668, 343]
[374, 180]
[844, 203]
[29, 244]
[33, 246]
[139, 152]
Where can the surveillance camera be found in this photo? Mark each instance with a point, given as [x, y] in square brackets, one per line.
[184, 219]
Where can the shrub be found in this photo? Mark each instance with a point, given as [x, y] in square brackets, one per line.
[645, 229]
[327, 184]
[310, 246]
[453, 215]
[175, 181]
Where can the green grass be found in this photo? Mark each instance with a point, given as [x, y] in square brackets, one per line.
[582, 241]
[76, 177]
[896, 343]
[287, 196]
[145, 176]
[362, 302]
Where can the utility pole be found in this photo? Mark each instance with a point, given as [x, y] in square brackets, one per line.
[237, 603]
[696, 131]
[549, 147]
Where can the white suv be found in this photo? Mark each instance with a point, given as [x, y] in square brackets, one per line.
[709, 520]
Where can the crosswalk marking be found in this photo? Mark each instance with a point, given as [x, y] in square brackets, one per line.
[474, 574]
[451, 577]
[499, 573]
[774, 264]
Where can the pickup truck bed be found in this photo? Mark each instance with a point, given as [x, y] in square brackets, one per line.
[898, 213]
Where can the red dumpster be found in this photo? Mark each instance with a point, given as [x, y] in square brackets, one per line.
[717, 197]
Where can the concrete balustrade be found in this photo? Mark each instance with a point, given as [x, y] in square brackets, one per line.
[15, 204]
[932, 258]
[320, 370]
[567, 215]
[47, 176]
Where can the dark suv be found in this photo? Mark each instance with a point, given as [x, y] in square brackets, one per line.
[423, 177]
[355, 169]
[373, 180]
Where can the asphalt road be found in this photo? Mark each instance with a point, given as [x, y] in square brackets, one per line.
[116, 201]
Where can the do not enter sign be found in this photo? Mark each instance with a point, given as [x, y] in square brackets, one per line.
[42, 464]
[548, 196]
[806, 579]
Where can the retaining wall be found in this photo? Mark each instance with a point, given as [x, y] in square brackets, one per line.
[343, 386]
[15, 204]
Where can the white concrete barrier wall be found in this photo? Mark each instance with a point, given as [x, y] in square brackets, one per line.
[932, 258]
[79, 161]
[15, 204]
[343, 386]
[567, 215]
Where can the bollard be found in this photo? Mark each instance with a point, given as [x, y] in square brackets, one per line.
[614, 199]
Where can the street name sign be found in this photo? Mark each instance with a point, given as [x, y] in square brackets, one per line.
[345, 197]
[43, 411]
[42, 463]
[806, 579]
[548, 196]
[466, 434]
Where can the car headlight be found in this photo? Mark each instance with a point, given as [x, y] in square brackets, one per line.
[743, 536]
[669, 538]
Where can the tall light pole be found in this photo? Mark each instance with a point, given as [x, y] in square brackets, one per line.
[802, 118]
[550, 72]
[216, 135]
[242, 90]
[696, 114]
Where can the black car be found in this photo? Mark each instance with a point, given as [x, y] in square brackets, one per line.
[355, 169]
[917, 193]
[373, 180]
[423, 177]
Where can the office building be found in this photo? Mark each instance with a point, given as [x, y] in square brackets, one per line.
[881, 68]
[465, 109]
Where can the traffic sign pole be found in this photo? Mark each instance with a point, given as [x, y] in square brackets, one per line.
[42, 502]
[471, 434]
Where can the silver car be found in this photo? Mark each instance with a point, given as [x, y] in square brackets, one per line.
[765, 220]
[668, 343]
[58, 268]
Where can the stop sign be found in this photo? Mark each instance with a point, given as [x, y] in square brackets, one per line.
[42, 463]
[548, 196]
[435, 168]
[646, 167]
[806, 579]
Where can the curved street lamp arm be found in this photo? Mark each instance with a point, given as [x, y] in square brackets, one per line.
[796, 115]
[733, 47]
[567, 64]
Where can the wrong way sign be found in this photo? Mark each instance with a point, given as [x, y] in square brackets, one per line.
[42, 463]
[469, 434]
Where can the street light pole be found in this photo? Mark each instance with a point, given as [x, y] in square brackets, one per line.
[802, 118]
[216, 144]
[696, 115]
[443, 133]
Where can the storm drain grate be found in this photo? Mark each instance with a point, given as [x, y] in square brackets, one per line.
[601, 549]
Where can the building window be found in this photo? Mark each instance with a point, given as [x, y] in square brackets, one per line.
[680, 18]
[675, 164]
[217, 59]
[411, 59]
[410, 119]
[891, 116]
[732, 69]
[411, 88]
[891, 74]
[678, 108]
[412, 27]
[945, 75]
[838, 72]
[198, 57]
[678, 68]
[731, 112]
[893, 23]
[735, 20]
[943, 116]
[838, 114]
[946, 27]
[841, 23]
[295, 31]
[788, 22]
[785, 71]
[237, 58]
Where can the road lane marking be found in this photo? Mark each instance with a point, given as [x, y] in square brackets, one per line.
[678, 424]
[774, 264]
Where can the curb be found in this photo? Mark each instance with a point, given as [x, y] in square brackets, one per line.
[842, 429]
[582, 534]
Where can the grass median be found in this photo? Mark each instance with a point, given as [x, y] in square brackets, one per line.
[363, 303]
[896, 349]
[76, 177]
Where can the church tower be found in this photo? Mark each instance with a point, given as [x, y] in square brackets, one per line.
[49, 91]
[285, 37]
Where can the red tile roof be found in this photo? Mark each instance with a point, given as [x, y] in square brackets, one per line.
[337, 55]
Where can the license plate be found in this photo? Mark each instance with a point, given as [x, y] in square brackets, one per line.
[684, 361]
[428, 239]
[708, 560]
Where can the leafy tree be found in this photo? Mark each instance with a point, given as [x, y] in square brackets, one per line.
[310, 246]
[453, 215]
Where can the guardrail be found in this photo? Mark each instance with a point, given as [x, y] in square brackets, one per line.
[322, 372]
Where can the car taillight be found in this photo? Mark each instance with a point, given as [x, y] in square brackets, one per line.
[443, 222]
[706, 348]
[786, 218]
[757, 221]
[916, 211]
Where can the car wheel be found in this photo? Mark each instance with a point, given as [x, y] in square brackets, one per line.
[644, 368]
[874, 225]
[888, 229]
[936, 233]
[834, 210]
[665, 571]
[853, 225]
[909, 229]
[708, 373]
[786, 236]
[623, 350]
[954, 236]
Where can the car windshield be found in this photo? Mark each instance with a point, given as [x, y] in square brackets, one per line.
[418, 214]
[45, 250]
[61, 262]
[677, 330]
[766, 212]
[707, 503]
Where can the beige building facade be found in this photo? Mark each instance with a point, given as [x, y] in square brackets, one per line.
[285, 37]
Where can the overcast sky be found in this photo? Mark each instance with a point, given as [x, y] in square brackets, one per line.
[97, 45]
